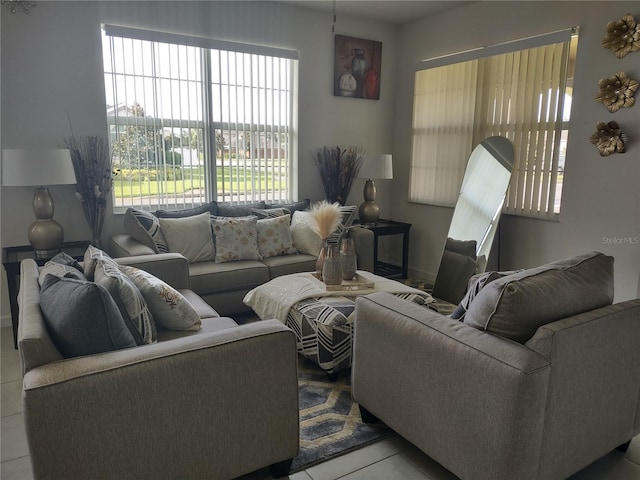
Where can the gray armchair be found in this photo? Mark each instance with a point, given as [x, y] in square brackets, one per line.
[488, 407]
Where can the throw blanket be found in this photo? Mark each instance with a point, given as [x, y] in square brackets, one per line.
[275, 298]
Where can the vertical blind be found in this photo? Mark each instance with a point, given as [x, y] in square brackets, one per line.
[194, 119]
[519, 95]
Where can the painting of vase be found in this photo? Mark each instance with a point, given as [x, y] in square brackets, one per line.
[357, 67]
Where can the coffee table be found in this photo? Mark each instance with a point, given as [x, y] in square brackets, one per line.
[321, 319]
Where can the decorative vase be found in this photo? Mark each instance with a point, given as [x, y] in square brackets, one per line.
[348, 259]
[371, 83]
[320, 260]
[332, 267]
[347, 85]
[358, 67]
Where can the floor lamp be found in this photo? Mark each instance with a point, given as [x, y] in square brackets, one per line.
[379, 167]
[28, 168]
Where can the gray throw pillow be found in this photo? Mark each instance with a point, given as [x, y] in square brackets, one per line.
[210, 208]
[144, 227]
[228, 210]
[476, 283]
[82, 318]
[515, 306]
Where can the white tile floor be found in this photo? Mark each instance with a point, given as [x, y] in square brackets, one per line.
[392, 458]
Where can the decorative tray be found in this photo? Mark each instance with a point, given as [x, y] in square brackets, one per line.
[357, 283]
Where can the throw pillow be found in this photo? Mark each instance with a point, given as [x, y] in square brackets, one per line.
[169, 308]
[210, 208]
[62, 265]
[82, 318]
[270, 212]
[236, 238]
[274, 237]
[515, 306]
[128, 298]
[476, 283]
[190, 236]
[302, 205]
[229, 210]
[145, 228]
[348, 213]
[305, 240]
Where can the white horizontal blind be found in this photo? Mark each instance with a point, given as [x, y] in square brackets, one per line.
[519, 95]
[192, 122]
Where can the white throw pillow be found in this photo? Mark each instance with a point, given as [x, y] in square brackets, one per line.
[236, 238]
[169, 308]
[305, 239]
[274, 237]
[190, 236]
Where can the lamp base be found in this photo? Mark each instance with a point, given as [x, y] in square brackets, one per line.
[46, 237]
[369, 212]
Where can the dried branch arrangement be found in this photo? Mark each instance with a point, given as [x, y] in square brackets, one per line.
[338, 169]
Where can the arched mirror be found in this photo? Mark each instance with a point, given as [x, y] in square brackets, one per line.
[475, 217]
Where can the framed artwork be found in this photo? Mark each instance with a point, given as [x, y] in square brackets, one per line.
[357, 65]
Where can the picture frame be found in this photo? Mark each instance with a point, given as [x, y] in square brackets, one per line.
[357, 68]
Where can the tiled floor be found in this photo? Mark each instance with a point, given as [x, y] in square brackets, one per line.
[392, 458]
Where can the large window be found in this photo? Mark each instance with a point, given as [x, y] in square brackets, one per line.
[524, 95]
[193, 119]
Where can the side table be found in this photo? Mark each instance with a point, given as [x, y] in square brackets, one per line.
[11, 258]
[390, 227]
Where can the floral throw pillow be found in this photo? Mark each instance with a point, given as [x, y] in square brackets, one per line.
[274, 237]
[169, 308]
[236, 238]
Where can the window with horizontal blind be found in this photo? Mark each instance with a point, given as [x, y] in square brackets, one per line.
[194, 119]
[523, 94]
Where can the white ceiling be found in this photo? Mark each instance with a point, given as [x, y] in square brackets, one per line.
[396, 12]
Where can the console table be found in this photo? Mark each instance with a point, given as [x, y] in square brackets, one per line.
[390, 227]
[11, 258]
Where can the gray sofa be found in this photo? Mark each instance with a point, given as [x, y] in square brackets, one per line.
[224, 285]
[546, 383]
[214, 403]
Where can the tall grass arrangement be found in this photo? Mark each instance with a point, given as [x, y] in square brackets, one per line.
[326, 218]
[93, 164]
[338, 169]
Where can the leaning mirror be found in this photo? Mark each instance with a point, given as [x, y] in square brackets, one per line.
[475, 217]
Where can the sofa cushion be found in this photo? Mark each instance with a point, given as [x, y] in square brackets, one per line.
[169, 308]
[292, 207]
[189, 236]
[210, 208]
[145, 228]
[236, 238]
[274, 237]
[305, 239]
[207, 277]
[290, 264]
[229, 210]
[516, 305]
[128, 298]
[82, 318]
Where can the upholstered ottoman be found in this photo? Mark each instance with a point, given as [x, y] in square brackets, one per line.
[324, 329]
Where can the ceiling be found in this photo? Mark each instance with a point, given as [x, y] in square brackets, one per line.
[396, 12]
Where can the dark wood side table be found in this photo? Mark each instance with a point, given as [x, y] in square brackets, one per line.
[390, 227]
[11, 258]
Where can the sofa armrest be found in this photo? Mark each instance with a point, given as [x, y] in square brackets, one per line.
[124, 245]
[214, 405]
[439, 382]
[171, 268]
[363, 242]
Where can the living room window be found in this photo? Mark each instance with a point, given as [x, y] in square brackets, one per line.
[520, 90]
[193, 119]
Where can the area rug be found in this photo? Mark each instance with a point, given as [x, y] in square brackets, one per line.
[330, 423]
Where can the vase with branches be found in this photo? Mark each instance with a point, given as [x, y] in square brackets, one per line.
[338, 169]
[326, 218]
[92, 163]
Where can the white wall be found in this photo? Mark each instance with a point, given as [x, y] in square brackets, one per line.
[52, 64]
[601, 196]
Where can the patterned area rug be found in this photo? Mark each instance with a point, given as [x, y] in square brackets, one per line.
[330, 423]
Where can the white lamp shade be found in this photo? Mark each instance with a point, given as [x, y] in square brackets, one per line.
[377, 166]
[22, 168]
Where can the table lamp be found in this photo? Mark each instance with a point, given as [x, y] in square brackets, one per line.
[27, 168]
[376, 166]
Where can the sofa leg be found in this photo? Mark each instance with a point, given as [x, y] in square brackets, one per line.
[624, 447]
[367, 416]
[281, 469]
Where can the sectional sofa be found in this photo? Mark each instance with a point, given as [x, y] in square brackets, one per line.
[239, 258]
